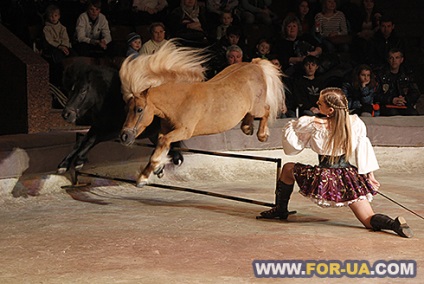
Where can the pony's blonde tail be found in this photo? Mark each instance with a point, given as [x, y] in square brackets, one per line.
[275, 94]
[171, 63]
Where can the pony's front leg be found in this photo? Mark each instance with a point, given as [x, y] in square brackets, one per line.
[159, 156]
[247, 124]
[156, 162]
[263, 131]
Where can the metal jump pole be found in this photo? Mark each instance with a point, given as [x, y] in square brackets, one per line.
[212, 153]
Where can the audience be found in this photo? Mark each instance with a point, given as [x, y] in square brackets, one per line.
[215, 10]
[257, 12]
[398, 92]
[293, 47]
[372, 32]
[145, 12]
[305, 16]
[384, 40]
[226, 19]
[306, 88]
[361, 91]
[332, 27]
[134, 44]
[219, 50]
[157, 34]
[234, 55]
[263, 48]
[93, 36]
[188, 22]
[366, 24]
[56, 36]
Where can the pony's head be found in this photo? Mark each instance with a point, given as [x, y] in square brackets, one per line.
[85, 87]
[171, 63]
[138, 118]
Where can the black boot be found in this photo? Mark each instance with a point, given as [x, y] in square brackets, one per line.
[399, 225]
[282, 197]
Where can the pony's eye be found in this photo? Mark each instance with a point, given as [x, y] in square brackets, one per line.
[139, 110]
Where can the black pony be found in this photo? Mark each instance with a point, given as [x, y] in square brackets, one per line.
[95, 99]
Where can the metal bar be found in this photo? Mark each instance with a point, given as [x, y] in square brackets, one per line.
[249, 157]
[185, 189]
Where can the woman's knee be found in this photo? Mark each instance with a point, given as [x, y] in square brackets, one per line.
[287, 173]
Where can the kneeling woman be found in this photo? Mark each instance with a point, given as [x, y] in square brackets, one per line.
[334, 182]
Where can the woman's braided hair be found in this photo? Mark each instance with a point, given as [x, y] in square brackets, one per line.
[339, 123]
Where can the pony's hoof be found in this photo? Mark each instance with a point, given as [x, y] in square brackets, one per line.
[159, 171]
[61, 171]
[141, 183]
[177, 158]
[263, 138]
[160, 174]
[79, 164]
[247, 130]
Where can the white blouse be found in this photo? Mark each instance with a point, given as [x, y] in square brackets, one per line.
[303, 132]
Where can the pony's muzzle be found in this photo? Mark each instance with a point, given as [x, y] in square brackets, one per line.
[127, 137]
[69, 115]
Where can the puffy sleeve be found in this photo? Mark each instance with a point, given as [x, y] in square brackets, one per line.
[296, 134]
[366, 160]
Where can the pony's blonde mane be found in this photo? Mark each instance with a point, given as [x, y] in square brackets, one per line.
[275, 94]
[171, 63]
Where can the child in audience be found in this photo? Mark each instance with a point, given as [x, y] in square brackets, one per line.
[226, 21]
[263, 48]
[361, 91]
[56, 36]
[306, 88]
[134, 44]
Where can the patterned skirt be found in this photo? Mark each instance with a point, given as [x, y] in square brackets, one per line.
[333, 186]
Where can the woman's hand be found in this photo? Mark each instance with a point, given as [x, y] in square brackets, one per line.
[375, 184]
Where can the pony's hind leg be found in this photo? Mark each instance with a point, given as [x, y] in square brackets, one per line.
[263, 130]
[247, 124]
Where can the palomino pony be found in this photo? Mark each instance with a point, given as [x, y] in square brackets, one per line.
[170, 84]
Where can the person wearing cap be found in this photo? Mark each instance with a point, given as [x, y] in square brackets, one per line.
[134, 44]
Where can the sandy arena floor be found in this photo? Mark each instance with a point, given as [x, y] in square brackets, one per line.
[113, 232]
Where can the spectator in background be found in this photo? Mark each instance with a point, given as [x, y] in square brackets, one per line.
[226, 20]
[332, 27]
[134, 44]
[92, 32]
[361, 91]
[188, 22]
[306, 87]
[148, 11]
[384, 40]
[215, 10]
[157, 33]
[363, 29]
[56, 45]
[305, 16]
[398, 92]
[294, 46]
[257, 12]
[290, 101]
[234, 55]
[263, 48]
[218, 50]
[56, 36]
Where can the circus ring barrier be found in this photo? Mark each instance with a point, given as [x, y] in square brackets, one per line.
[278, 162]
